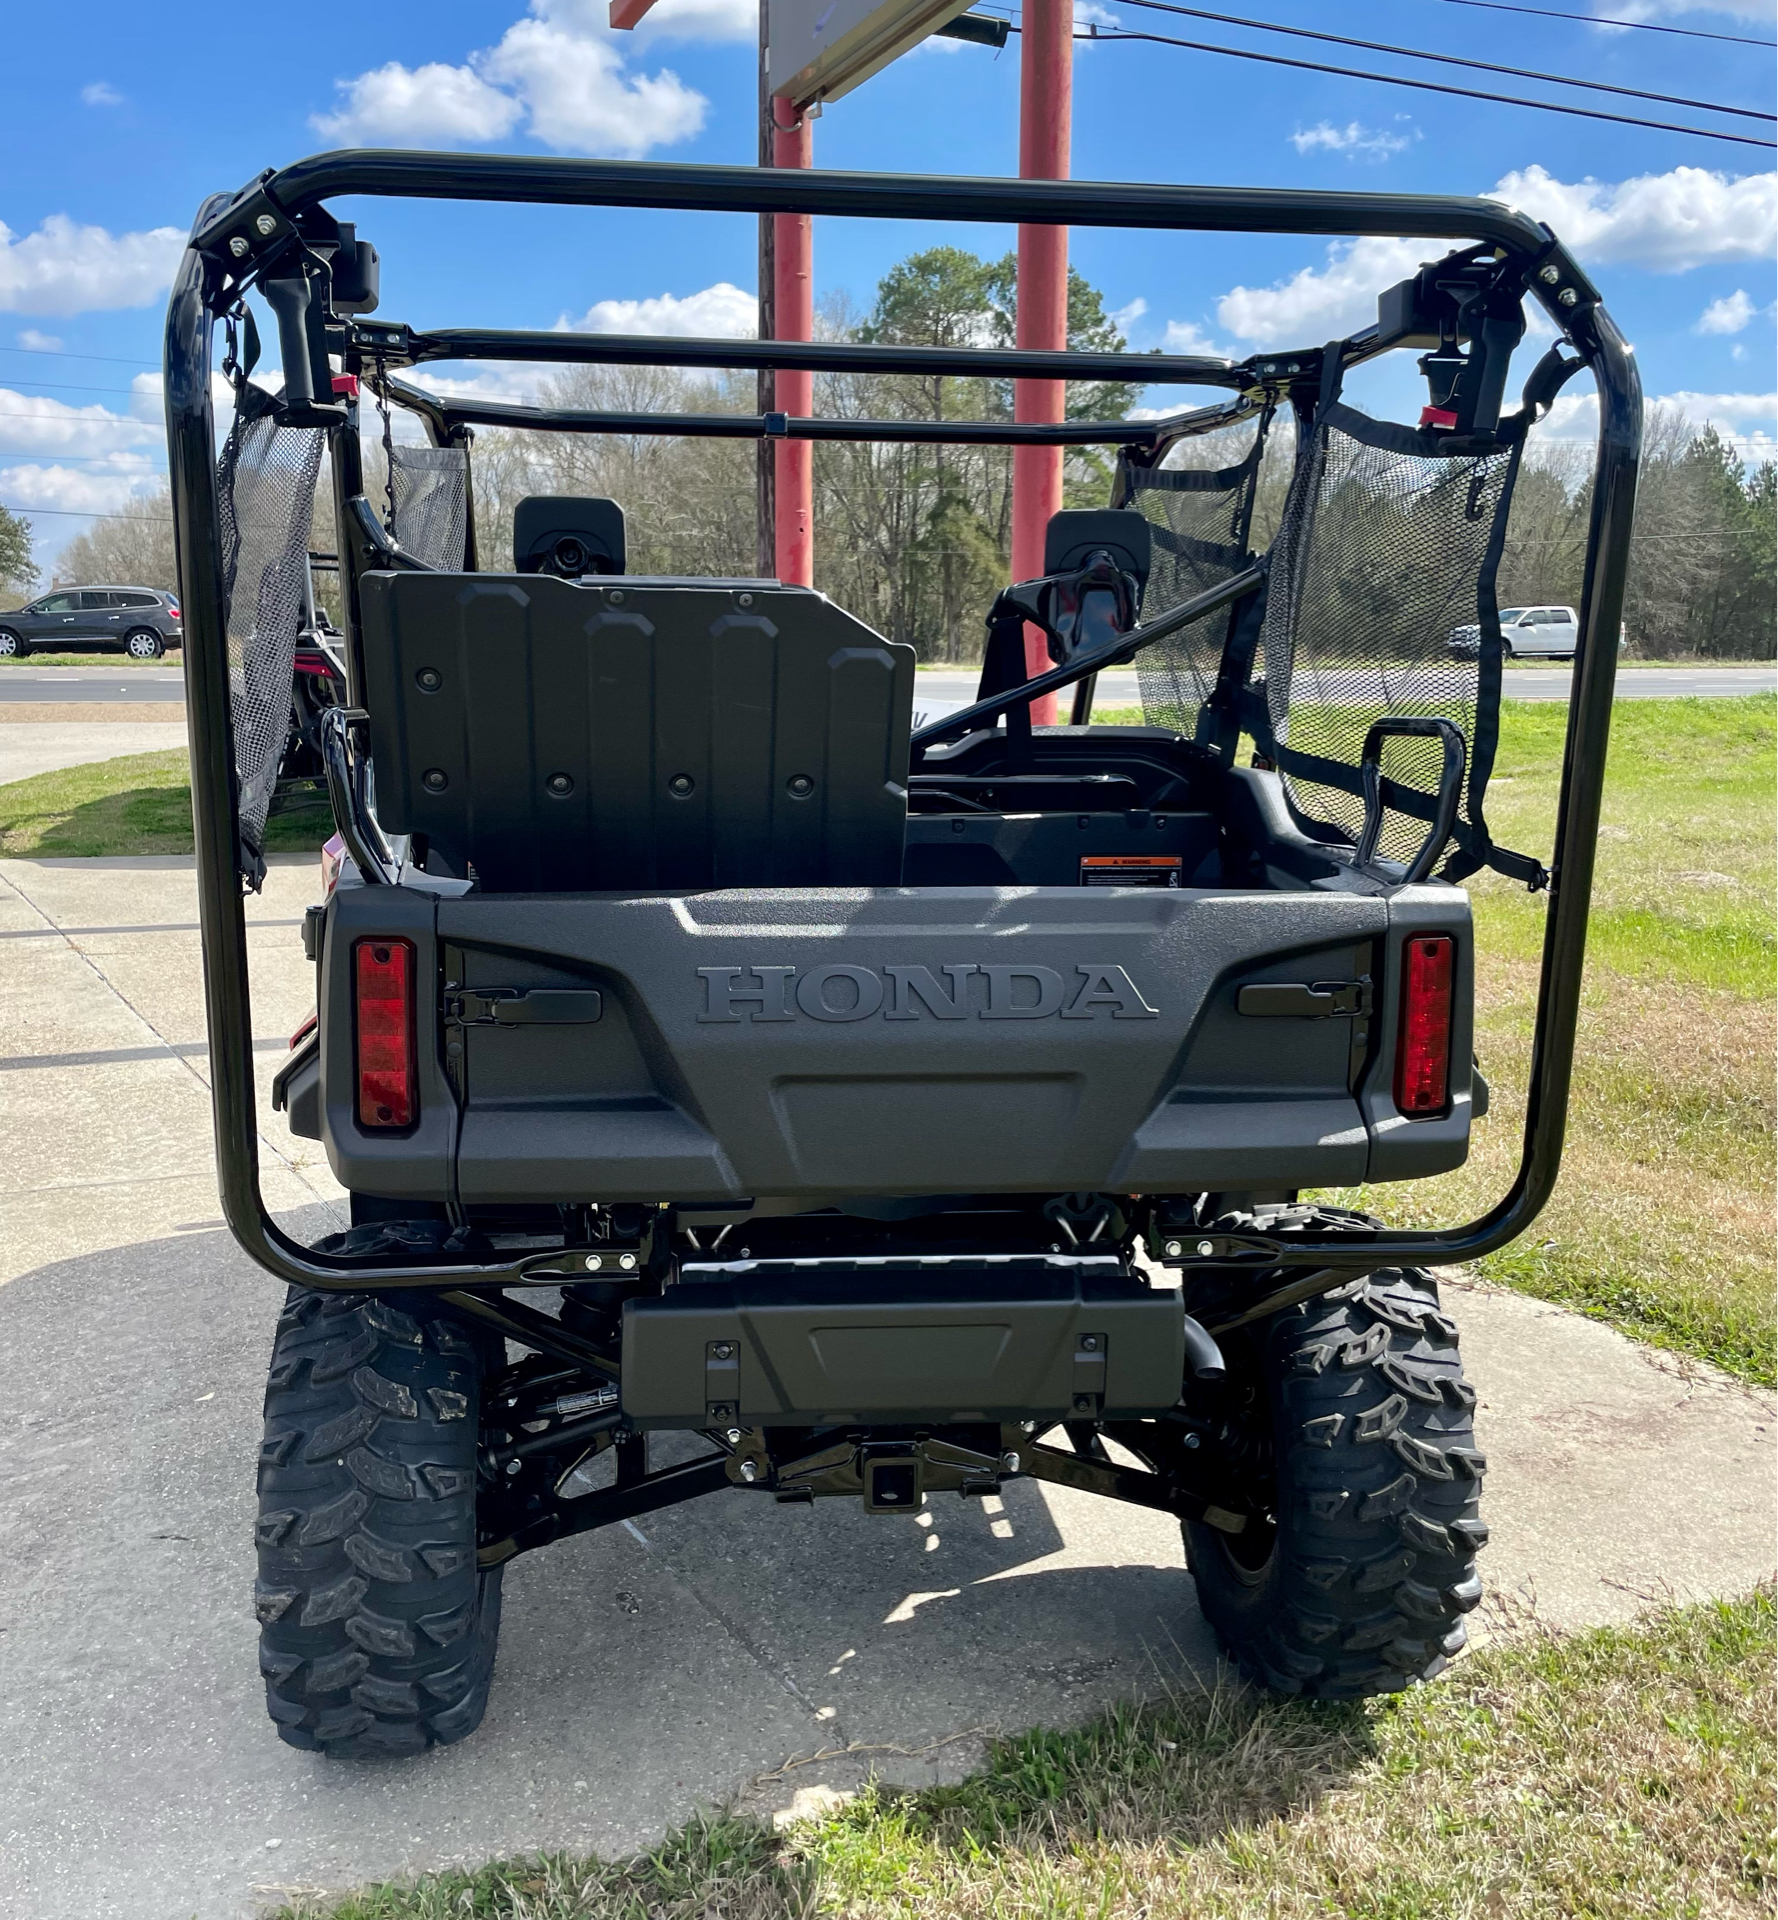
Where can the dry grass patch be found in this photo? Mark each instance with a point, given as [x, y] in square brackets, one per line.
[1623, 1774]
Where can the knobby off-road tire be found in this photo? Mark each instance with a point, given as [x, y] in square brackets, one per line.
[377, 1631]
[1374, 1481]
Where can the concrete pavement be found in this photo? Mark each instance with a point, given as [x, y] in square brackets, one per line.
[644, 1670]
[34, 747]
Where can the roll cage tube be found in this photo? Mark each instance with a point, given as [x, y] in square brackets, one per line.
[214, 271]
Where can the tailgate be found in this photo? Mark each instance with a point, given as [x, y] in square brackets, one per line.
[913, 1041]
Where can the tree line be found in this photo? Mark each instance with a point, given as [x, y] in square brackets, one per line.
[915, 540]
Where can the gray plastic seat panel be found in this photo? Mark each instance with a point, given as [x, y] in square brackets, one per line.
[608, 735]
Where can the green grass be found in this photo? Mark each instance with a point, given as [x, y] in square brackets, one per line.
[171, 658]
[1662, 1221]
[1620, 1774]
[139, 803]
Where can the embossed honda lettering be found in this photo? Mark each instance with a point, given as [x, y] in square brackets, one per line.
[845, 992]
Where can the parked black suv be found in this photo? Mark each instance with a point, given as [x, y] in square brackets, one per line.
[143, 621]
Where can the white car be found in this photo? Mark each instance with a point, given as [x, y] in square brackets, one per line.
[1547, 633]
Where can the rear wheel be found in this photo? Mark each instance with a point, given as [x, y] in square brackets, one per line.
[1349, 1424]
[377, 1629]
[13, 646]
[144, 644]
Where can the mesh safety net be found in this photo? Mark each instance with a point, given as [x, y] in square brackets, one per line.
[431, 494]
[266, 482]
[1200, 515]
[1381, 602]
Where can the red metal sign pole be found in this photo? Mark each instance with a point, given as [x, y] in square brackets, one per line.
[1046, 109]
[793, 314]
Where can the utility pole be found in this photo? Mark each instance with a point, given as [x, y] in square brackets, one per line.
[766, 557]
[793, 318]
[1046, 111]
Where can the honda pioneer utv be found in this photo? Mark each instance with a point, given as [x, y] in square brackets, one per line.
[708, 1051]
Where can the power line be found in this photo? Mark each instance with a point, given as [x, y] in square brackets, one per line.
[110, 359]
[1598, 20]
[72, 386]
[1449, 59]
[1428, 86]
[75, 513]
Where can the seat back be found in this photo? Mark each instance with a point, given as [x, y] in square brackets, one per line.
[553, 533]
[1075, 534]
[636, 736]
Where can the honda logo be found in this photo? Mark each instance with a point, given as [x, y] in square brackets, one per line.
[968, 992]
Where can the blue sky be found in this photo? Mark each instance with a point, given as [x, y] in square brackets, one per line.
[125, 126]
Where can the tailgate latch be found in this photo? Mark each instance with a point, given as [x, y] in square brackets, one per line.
[524, 1007]
[1293, 1000]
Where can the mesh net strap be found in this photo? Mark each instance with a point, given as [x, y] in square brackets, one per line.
[266, 483]
[1381, 602]
[430, 486]
[1201, 517]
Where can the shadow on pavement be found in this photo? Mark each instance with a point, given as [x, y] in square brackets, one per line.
[643, 1672]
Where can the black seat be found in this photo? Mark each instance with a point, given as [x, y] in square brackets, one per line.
[636, 735]
[560, 534]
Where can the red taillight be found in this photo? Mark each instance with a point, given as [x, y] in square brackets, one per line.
[173, 610]
[1423, 1040]
[383, 973]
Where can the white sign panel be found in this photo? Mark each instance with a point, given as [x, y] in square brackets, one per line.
[820, 49]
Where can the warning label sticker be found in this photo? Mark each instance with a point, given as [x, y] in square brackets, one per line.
[1130, 869]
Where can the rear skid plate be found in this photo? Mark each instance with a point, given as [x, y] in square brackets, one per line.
[885, 1343]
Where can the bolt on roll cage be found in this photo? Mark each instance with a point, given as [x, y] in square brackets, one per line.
[235, 234]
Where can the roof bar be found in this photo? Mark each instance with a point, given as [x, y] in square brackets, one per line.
[815, 356]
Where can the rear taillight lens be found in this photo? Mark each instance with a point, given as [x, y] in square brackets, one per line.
[173, 610]
[383, 981]
[1423, 1040]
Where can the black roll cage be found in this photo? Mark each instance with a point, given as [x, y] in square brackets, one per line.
[236, 235]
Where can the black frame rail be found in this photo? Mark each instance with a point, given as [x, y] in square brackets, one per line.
[235, 234]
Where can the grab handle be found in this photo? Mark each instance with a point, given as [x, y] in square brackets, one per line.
[1450, 788]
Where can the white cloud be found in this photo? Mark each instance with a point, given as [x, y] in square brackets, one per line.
[507, 381]
[560, 70]
[1317, 304]
[393, 104]
[34, 342]
[62, 268]
[715, 312]
[35, 423]
[1748, 421]
[581, 99]
[1664, 222]
[1759, 11]
[75, 490]
[101, 93]
[1127, 316]
[1187, 337]
[1729, 413]
[666, 19]
[1729, 315]
[1353, 140]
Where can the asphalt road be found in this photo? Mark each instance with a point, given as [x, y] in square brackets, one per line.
[101, 682]
[943, 691]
